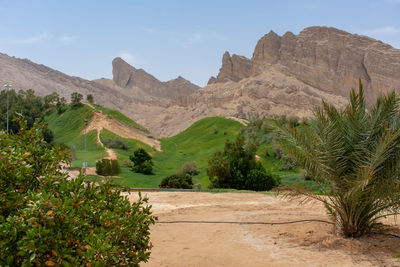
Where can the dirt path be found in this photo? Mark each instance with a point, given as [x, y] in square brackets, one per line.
[300, 244]
[101, 121]
[242, 121]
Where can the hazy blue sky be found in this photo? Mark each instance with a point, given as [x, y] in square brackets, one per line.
[171, 38]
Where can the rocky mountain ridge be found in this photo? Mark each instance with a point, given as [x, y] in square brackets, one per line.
[290, 74]
[287, 74]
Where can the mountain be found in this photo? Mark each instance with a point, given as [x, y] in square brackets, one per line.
[139, 84]
[131, 91]
[286, 75]
[289, 75]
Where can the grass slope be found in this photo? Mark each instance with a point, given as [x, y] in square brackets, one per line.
[67, 129]
[114, 114]
[196, 144]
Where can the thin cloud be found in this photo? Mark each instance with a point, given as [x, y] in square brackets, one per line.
[185, 39]
[67, 39]
[38, 38]
[129, 57]
[387, 30]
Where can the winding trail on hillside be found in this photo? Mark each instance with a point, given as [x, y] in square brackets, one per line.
[242, 121]
[100, 121]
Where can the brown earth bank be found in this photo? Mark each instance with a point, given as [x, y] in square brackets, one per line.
[298, 244]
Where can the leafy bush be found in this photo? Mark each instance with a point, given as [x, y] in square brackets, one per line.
[181, 181]
[116, 143]
[89, 98]
[354, 156]
[260, 180]
[107, 167]
[142, 161]
[47, 219]
[236, 167]
[76, 99]
[190, 168]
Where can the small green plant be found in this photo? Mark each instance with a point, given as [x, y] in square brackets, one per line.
[177, 181]
[142, 161]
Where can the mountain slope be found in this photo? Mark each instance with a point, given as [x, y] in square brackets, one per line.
[289, 75]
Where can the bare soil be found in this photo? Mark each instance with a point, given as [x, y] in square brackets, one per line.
[297, 244]
[100, 121]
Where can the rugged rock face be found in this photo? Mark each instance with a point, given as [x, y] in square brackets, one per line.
[126, 76]
[233, 68]
[287, 74]
[291, 74]
[331, 60]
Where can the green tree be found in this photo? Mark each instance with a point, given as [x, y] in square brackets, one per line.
[51, 99]
[47, 219]
[27, 104]
[89, 98]
[354, 155]
[236, 166]
[60, 105]
[76, 99]
[142, 161]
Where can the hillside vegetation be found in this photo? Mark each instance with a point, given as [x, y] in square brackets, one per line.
[196, 144]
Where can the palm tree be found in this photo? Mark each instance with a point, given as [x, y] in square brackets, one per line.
[354, 156]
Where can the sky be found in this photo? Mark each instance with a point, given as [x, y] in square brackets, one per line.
[171, 38]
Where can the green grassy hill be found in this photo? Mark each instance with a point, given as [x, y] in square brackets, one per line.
[67, 129]
[196, 143]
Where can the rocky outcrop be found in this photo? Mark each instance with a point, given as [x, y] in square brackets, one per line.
[325, 58]
[233, 68]
[289, 75]
[126, 76]
[331, 60]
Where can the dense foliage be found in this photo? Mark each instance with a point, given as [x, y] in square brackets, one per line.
[354, 156]
[142, 161]
[177, 181]
[27, 104]
[236, 167]
[108, 167]
[47, 219]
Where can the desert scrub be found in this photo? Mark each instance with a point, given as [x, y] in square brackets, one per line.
[47, 219]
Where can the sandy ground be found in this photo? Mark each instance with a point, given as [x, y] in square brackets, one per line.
[299, 244]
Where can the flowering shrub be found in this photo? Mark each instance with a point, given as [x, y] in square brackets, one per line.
[47, 219]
